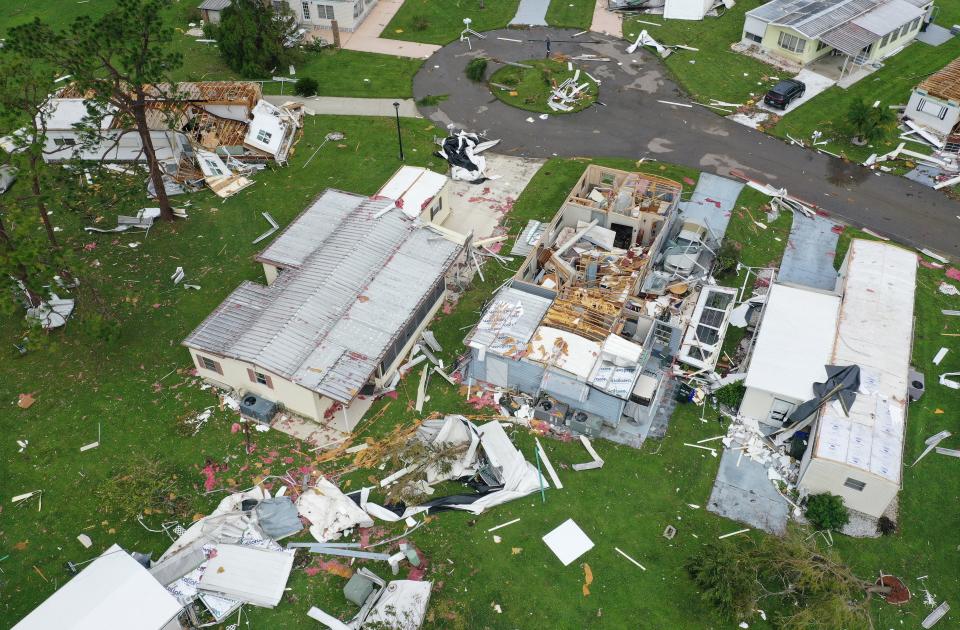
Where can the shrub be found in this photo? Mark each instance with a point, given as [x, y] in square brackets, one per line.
[420, 23]
[477, 69]
[432, 100]
[886, 527]
[306, 86]
[827, 511]
[140, 483]
[730, 396]
[726, 260]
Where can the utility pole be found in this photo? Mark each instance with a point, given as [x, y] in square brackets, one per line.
[396, 108]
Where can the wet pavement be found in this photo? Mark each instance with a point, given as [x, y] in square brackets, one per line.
[632, 122]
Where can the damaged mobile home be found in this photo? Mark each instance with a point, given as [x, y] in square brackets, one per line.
[351, 284]
[229, 119]
[829, 371]
[574, 329]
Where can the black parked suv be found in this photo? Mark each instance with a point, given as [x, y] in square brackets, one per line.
[784, 92]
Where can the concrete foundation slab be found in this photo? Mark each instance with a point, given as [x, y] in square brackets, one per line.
[934, 35]
[815, 82]
[744, 494]
[481, 207]
[808, 258]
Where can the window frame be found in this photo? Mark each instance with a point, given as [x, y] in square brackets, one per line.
[799, 43]
[264, 136]
[305, 9]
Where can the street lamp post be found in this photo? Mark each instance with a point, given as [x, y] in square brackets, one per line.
[396, 108]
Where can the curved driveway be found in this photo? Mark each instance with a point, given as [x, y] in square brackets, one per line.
[632, 123]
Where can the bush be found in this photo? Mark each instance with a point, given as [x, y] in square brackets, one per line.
[827, 511]
[730, 396]
[726, 260]
[886, 527]
[477, 69]
[306, 86]
[420, 23]
[140, 483]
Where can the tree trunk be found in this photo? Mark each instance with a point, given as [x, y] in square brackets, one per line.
[21, 271]
[41, 206]
[156, 176]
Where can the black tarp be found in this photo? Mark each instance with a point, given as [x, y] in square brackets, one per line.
[842, 385]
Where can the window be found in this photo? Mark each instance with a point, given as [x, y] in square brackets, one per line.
[264, 136]
[886, 38]
[209, 364]
[213, 166]
[259, 378]
[436, 208]
[821, 46]
[792, 42]
[903, 30]
[915, 24]
[306, 10]
[932, 109]
[752, 37]
[358, 8]
[325, 11]
[854, 484]
[64, 142]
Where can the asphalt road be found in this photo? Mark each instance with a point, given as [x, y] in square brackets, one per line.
[632, 123]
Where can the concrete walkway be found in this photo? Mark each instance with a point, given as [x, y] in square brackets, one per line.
[531, 13]
[345, 106]
[606, 22]
[367, 37]
[808, 258]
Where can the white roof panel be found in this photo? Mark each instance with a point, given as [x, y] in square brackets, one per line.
[794, 343]
[564, 350]
[875, 331]
[113, 591]
[413, 187]
[888, 16]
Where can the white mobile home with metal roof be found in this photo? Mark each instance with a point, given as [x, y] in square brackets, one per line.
[351, 283]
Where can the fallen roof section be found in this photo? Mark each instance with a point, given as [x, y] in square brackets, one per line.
[113, 591]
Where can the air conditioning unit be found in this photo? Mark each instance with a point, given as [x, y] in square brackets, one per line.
[257, 408]
[549, 410]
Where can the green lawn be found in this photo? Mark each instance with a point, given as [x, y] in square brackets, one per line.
[715, 71]
[441, 21]
[531, 87]
[891, 85]
[339, 72]
[571, 13]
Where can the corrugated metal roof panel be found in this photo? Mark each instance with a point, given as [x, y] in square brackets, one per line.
[214, 5]
[849, 39]
[888, 16]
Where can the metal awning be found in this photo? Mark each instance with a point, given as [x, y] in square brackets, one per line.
[849, 39]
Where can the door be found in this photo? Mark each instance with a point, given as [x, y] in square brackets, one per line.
[780, 410]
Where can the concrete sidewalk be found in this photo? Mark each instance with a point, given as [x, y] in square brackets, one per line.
[531, 13]
[606, 22]
[345, 106]
[367, 37]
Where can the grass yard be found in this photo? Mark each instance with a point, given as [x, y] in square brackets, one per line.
[139, 389]
[571, 13]
[441, 21]
[715, 72]
[339, 72]
[531, 87]
[891, 85]
[355, 73]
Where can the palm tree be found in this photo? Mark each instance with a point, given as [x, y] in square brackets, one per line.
[869, 123]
